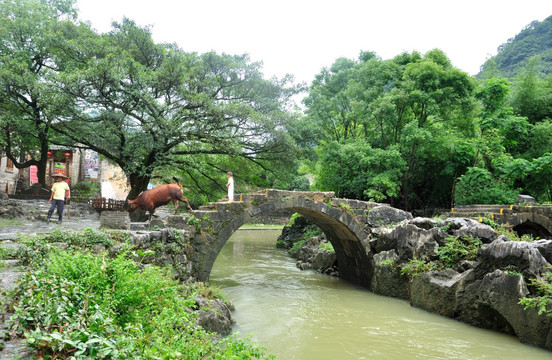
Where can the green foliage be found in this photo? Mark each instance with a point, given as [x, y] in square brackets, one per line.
[543, 299]
[88, 306]
[347, 207]
[311, 231]
[295, 248]
[416, 267]
[292, 219]
[531, 41]
[457, 249]
[326, 246]
[388, 262]
[479, 186]
[84, 190]
[356, 170]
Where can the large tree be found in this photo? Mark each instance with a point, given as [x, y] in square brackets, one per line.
[414, 109]
[30, 35]
[156, 109]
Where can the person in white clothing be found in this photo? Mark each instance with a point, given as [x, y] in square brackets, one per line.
[230, 186]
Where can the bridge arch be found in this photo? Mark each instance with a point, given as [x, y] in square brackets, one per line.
[531, 223]
[339, 224]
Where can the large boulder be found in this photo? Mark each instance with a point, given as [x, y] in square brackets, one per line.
[214, 315]
[521, 256]
[545, 248]
[423, 223]
[387, 279]
[323, 261]
[493, 302]
[411, 242]
[386, 215]
[435, 291]
[469, 227]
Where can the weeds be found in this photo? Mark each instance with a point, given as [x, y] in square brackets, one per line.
[457, 249]
[416, 267]
[80, 305]
[543, 301]
[326, 246]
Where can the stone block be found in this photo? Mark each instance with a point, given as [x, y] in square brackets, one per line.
[525, 199]
[115, 220]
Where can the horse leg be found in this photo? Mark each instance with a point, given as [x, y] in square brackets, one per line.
[175, 203]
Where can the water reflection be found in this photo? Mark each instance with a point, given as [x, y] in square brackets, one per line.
[305, 315]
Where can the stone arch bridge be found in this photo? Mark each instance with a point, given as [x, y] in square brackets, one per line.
[342, 220]
[533, 220]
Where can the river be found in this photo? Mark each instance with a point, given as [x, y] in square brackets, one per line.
[304, 315]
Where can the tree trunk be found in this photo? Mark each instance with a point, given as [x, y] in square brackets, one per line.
[138, 183]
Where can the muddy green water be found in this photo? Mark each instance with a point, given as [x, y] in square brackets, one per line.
[305, 315]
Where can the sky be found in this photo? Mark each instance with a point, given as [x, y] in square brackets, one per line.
[300, 37]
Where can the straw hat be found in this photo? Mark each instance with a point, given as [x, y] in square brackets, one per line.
[60, 175]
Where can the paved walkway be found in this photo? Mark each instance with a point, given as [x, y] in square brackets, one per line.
[16, 228]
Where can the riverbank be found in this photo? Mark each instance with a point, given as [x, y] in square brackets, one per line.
[192, 312]
[486, 276]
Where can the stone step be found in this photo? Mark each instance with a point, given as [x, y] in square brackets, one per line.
[206, 208]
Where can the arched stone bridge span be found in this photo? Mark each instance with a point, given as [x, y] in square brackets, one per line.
[339, 219]
[533, 220]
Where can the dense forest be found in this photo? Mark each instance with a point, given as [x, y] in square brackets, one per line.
[413, 131]
[534, 41]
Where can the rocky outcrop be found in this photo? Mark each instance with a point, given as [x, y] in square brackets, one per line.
[520, 256]
[312, 256]
[484, 292]
[469, 227]
[407, 261]
[214, 315]
[386, 215]
[410, 242]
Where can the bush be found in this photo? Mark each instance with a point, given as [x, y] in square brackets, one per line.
[84, 190]
[457, 249]
[80, 305]
[543, 301]
[417, 267]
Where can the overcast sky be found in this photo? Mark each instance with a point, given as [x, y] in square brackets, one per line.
[300, 37]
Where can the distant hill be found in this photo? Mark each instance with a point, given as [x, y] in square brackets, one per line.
[534, 39]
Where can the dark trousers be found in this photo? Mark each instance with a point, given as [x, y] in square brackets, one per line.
[59, 204]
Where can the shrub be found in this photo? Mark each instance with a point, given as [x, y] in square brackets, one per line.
[416, 267]
[80, 305]
[292, 219]
[479, 186]
[298, 245]
[326, 246]
[457, 249]
[543, 301]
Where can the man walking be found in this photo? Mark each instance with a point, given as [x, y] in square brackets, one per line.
[59, 188]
